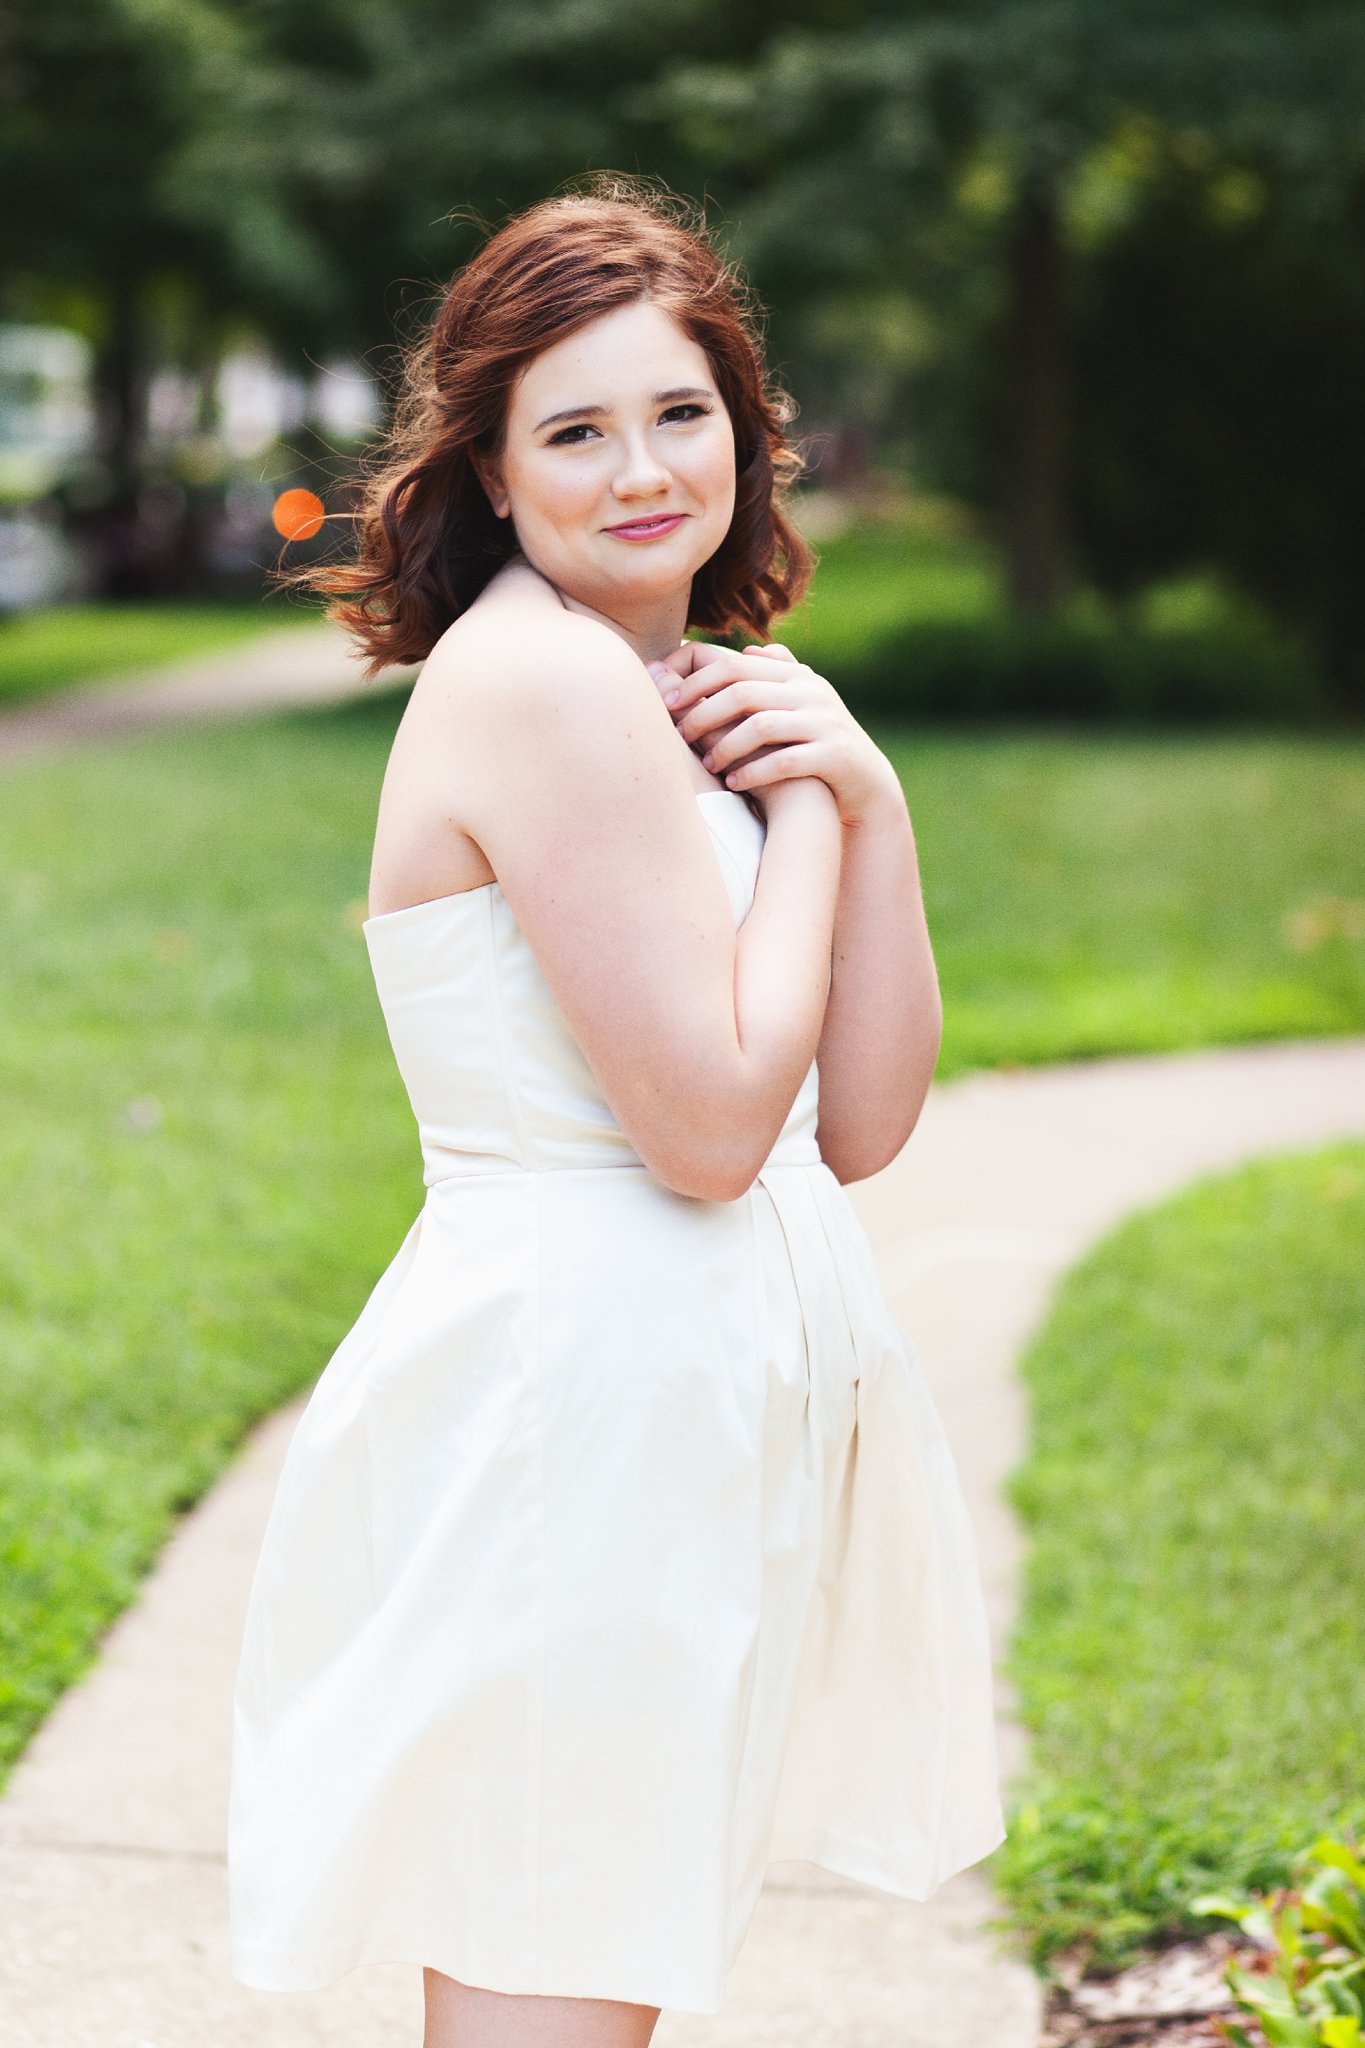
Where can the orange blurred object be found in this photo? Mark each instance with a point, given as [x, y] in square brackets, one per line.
[298, 515]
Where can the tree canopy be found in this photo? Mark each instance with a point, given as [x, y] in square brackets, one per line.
[1093, 265]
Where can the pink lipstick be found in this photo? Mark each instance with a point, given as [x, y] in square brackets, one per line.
[648, 529]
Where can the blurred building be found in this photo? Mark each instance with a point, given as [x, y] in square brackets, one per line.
[216, 452]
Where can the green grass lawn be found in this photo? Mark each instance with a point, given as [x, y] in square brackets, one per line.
[207, 1153]
[1098, 893]
[1191, 1652]
[68, 645]
[873, 578]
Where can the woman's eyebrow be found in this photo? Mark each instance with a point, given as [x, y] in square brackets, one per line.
[584, 412]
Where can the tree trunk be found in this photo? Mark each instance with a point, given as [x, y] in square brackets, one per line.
[121, 385]
[1034, 484]
[121, 410]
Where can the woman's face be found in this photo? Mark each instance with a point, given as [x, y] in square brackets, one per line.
[618, 469]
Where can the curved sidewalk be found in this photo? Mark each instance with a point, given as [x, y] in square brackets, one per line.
[111, 1836]
[280, 667]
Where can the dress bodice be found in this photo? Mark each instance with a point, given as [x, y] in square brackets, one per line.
[496, 1080]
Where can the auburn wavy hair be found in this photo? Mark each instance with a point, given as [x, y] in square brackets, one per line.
[428, 539]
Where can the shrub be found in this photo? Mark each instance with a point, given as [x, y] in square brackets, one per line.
[1309, 1988]
[994, 667]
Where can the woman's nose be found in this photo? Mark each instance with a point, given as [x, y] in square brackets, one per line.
[639, 471]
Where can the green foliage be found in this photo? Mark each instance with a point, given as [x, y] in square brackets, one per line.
[140, 138]
[908, 619]
[1082, 670]
[1310, 1991]
[1190, 1656]
[880, 576]
[1161, 379]
[180, 165]
[1219, 410]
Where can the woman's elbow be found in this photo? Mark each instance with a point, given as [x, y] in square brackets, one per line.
[717, 1173]
[849, 1164]
[853, 1155]
[713, 1159]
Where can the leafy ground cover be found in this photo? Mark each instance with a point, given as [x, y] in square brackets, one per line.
[1190, 1654]
[207, 1153]
[68, 645]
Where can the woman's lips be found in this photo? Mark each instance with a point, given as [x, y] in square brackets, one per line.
[648, 529]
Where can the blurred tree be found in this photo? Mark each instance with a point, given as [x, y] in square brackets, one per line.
[1219, 400]
[142, 153]
[1005, 221]
[951, 150]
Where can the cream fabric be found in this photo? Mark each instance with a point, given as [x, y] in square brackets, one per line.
[618, 1551]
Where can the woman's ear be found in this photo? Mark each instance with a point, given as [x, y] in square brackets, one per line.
[491, 478]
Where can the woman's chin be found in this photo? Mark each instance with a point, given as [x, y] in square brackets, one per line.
[655, 567]
[644, 581]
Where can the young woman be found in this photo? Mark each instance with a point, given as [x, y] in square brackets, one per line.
[619, 1550]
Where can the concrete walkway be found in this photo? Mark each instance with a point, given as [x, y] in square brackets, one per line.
[111, 1838]
[283, 666]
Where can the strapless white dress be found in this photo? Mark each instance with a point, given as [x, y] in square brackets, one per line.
[618, 1551]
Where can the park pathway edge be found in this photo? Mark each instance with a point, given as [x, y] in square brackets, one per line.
[282, 667]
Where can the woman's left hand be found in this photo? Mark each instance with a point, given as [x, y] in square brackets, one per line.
[761, 716]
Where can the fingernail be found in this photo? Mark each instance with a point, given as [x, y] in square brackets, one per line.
[672, 696]
[656, 669]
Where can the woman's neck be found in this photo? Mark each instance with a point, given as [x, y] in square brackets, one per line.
[653, 634]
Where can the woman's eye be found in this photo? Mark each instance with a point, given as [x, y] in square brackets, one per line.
[568, 437]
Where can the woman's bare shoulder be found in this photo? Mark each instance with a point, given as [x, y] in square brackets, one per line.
[520, 706]
[515, 599]
[518, 653]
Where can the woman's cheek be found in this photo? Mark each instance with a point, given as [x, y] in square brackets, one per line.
[720, 480]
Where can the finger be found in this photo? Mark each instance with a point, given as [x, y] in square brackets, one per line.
[725, 666]
[764, 729]
[701, 725]
[674, 666]
[781, 765]
[734, 700]
[695, 655]
[701, 675]
[771, 647]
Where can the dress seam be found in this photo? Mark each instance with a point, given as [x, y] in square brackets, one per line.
[502, 1041]
[536, 1800]
[856, 1332]
[761, 1337]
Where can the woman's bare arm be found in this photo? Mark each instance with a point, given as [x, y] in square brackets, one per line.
[884, 1019]
[571, 780]
[761, 715]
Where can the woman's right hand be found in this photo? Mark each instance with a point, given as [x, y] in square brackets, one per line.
[758, 716]
[763, 798]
